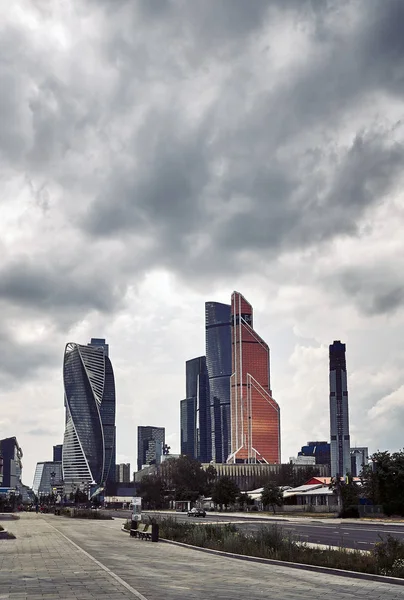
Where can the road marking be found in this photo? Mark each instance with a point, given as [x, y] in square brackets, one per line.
[97, 562]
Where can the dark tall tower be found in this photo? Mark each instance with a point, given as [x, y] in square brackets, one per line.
[89, 442]
[57, 453]
[255, 416]
[339, 415]
[218, 363]
[195, 412]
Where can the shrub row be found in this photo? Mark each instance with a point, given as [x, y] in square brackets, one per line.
[387, 557]
[84, 513]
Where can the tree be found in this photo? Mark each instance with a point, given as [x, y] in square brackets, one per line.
[244, 500]
[225, 492]
[152, 489]
[383, 481]
[347, 492]
[186, 477]
[211, 475]
[272, 495]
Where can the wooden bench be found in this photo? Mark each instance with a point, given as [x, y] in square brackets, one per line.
[142, 531]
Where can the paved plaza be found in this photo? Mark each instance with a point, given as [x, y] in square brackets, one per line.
[57, 557]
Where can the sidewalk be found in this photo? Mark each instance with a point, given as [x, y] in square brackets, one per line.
[40, 564]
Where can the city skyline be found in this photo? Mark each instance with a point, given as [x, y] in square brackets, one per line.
[142, 176]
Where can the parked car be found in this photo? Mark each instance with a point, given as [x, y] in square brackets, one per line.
[197, 512]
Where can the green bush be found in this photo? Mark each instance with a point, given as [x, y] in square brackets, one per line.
[84, 513]
[351, 512]
[274, 543]
[389, 556]
[394, 508]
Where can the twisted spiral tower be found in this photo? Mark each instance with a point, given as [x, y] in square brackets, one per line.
[89, 439]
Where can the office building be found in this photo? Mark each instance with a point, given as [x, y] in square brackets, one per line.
[48, 478]
[89, 440]
[150, 444]
[339, 415]
[57, 453]
[11, 454]
[320, 450]
[359, 459]
[122, 473]
[219, 367]
[195, 412]
[255, 416]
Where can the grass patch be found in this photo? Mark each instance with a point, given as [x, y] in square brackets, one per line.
[387, 557]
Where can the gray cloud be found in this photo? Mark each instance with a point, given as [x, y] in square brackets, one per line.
[44, 287]
[374, 290]
[22, 361]
[257, 168]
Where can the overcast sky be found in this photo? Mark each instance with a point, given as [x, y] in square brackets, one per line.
[157, 154]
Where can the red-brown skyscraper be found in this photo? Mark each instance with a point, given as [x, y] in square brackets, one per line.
[255, 418]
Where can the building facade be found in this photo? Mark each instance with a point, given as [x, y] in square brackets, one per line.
[57, 453]
[219, 368]
[195, 412]
[123, 473]
[339, 413]
[255, 416]
[88, 455]
[48, 478]
[150, 444]
[11, 454]
[320, 450]
[302, 460]
[359, 459]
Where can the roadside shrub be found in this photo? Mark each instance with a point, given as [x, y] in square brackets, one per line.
[84, 513]
[351, 512]
[275, 543]
[394, 508]
[389, 556]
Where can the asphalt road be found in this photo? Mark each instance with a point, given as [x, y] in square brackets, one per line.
[357, 535]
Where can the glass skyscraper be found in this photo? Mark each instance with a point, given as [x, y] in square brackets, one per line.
[218, 363]
[150, 445]
[48, 475]
[195, 412]
[339, 415]
[255, 416]
[88, 454]
[57, 453]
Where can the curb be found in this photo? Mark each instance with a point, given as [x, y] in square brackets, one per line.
[292, 565]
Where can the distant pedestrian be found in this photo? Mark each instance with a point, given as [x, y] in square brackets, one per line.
[36, 508]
